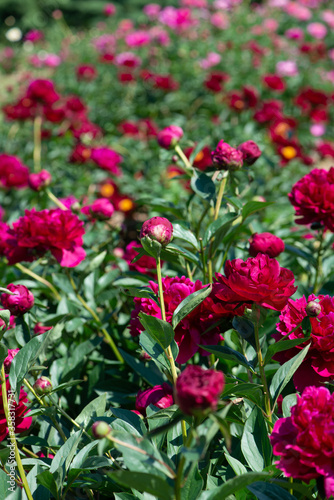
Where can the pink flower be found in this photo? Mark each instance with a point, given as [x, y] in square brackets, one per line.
[138, 38]
[212, 59]
[20, 302]
[39, 329]
[225, 157]
[305, 441]
[34, 36]
[298, 11]
[159, 229]
[42, 91]
[100, 209]
[266, 243]
[328, 17]
[176, 19]
[109, 10]
[39, 180]
[197, 390]
[159, 395]
[145, 265]
[152, 10]
[8, 361]
[127, 59]
[59, 231]
[258, 280]
[169, 136]
[317, 30]
[107, 159]
[220, 20]
[318, 129]
[250, 152]
[86, 72]
[286, 68]
[318, 366]
[13, 174]
[295, 33]
[22, 421]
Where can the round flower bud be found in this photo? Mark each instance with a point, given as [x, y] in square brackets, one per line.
[250, 152]
[42, 386]
[227, 158]
[158, 229]
[197, 390]
[169, 136]
[266, 243]
[39, 180]
[20, 302]
[100, 209]
[100, 429]
[313, 309]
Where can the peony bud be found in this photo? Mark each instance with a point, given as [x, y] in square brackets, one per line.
[8, 361]
[266, 243]
[20, 302]
[158, 229]
[100, 209]
[313, 309]
[197, 390]
[100, 429]
[250, 152]
[42, 386]
[39, 180]
[227, 158]
[169, 136]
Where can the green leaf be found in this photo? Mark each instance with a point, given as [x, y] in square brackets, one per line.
[286, 372]
[177, 250]
[254, 206]
[181, 231]
[189, 304]
[223, 222]
[139, 367]
[141, 481]
[233, 485]
[237, 466]
[224, 352]
[300, 253]
[95, 408]
[245, 328]
[267, 491]
[152, 247]
[5, 316]
[307, 326]
[82, 455]
[161, 331]
[47, 480]
[203, 186]
[3, 353]
[65, 454]
[282, 345]
[160, 205]
[255, 444]
[96, 262]
[288, 402]
[193, 485]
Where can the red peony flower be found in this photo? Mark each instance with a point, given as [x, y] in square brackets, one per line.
[145, 265]
[8, 360]
[269, 111]
[39, 329]
[100, 209]
[20, 302]
[22, 422]
[266, 243]
[169, 137]
[42, 92]
[59, 231]
[107, 159]
[225, 157]
[197, 390]
[192, 330]
[274, 82]
[86, 72]
[159, 395]
[38, 181]
[13, 174]
[305, 441]
[258, 280]
[215, 81]
[313, 198]
[159, 229]
[318, 366]
[250, 152]
[309, 99]
[203, 158]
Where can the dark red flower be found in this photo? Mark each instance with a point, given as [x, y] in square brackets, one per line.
[250, 152]
[20, 302]
[21, 421]
[86, 72]
[215, 81]
[145, 265]
[13, 174]
[274, 82]
[266, 243]
[42, 91]
[159, 395]
[225, 157]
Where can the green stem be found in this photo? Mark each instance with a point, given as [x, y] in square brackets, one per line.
[106, 335]
[179, 472]
[220, 195]
[319, 262]
[55, 200]
[203, 259]
[198, 229]
[25, 270]
[262, 371]
[37, 143]
[11, 430]
[183, 157]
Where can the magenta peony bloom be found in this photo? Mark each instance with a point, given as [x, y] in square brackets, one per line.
[305, 441]
[169, 136]
[158, 229]
[19, 303]
[86, 72]
[192, 330]
[266, 243]
[13, 174]
[39, 180]
[107, 159]
[42, 91]
[145, 265]
[197, 391]
[100, 209]
[59, 231]
[318, 366]
[313, 198]
[8, 361]
[250, 152]
[39, 329]
[159, 395]
[227, 158]
[22, 422]
[258, 280]
[109, 9]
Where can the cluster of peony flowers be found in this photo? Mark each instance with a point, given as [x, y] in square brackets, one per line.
[305, 441]
[225, 157]
[32, 235]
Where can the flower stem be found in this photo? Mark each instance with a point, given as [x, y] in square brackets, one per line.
[319, 262]
[106, 335]
[203, 260]
[262, 371]
[11, 430]
[56, 200]
[220, 195]
[183, 157]
[37, 143]
[25, 270]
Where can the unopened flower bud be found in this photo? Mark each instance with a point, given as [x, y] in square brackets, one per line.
[169, 136]
[266, 243]
[42, 386]
[100, 429]
[227, 158]
[313, 309]
[158, 229]
[19, 302]
[39, 180]
[250, 152]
